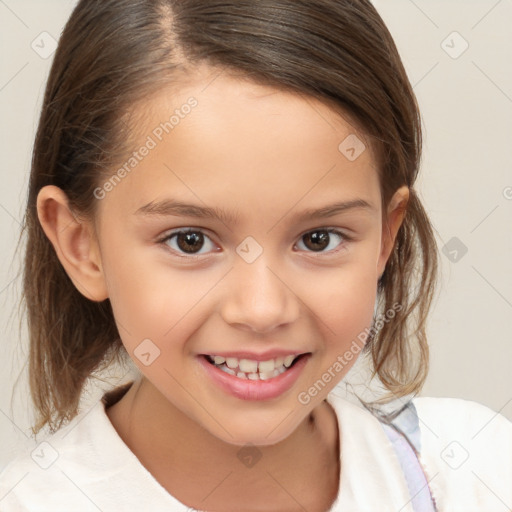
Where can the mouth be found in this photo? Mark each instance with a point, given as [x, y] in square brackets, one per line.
[249, 379]
[251, 369]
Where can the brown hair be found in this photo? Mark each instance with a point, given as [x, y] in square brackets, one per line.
[114, 53]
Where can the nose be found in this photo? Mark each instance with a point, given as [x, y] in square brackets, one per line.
[257, 298]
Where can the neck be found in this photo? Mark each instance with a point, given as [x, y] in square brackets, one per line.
[201, 470]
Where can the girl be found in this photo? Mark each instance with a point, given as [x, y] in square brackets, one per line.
[223, 193]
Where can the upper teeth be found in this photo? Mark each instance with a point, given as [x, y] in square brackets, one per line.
[252, 366]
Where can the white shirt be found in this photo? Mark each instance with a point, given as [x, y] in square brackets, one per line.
[466, 451]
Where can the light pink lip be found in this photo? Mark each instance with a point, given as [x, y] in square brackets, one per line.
[247, 389]
[263, 356]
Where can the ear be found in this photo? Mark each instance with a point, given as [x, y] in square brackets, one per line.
[395, 215]
[74, 242]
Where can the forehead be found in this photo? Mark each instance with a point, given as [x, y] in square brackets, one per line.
[221, 138]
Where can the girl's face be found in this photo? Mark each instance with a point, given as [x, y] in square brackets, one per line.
[270, 268]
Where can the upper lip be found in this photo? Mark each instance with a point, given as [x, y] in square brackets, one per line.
[262, 356]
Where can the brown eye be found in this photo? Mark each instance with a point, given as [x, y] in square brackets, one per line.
[188, 242]
[320, 239]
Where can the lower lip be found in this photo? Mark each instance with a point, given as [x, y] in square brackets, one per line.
[248, 389]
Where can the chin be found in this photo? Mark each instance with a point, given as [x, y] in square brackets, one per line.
[257, 433]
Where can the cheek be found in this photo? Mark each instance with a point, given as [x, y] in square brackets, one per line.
[151, 299]
[343, 302]
[134, 291]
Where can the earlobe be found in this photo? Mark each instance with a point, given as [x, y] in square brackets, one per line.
[73, 241]
[395, 216]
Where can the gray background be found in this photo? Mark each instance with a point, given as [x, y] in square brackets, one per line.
[465, 183]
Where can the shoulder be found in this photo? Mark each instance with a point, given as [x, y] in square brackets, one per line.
[85, 466]
[466, 450]
[465, 422]
[464, 413]
[53, 463]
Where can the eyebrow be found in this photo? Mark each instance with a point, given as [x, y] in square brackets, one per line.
[171, 207]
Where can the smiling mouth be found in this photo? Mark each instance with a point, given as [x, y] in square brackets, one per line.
[254, 370]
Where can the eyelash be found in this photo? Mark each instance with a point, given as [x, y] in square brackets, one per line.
[173, 234]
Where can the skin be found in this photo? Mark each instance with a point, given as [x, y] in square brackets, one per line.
[264, 155]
